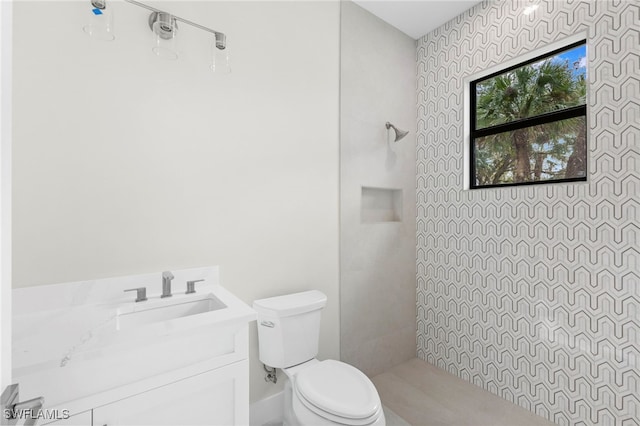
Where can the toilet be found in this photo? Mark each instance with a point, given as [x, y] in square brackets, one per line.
[318, 392]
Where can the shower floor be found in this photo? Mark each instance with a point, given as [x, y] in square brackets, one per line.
[425, 395]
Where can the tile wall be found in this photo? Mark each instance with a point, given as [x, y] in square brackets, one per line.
[533, 293]
[377, 193]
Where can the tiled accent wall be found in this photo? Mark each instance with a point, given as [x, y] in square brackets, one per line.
[533, 292]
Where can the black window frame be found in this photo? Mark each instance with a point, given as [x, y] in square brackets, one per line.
[549, 117]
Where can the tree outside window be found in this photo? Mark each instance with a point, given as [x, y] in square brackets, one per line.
[528, 122]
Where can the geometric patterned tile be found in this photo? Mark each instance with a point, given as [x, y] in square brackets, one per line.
[533, 293]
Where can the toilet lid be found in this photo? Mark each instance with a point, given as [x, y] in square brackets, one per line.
[339, 389]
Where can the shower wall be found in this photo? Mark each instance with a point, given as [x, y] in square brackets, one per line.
[377, 193]
[533, 292]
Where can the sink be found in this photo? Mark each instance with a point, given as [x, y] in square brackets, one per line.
[166, 311]
[76, 343]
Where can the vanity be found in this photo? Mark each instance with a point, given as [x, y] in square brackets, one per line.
[99, 357]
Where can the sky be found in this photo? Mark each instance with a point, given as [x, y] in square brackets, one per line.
[577, 57]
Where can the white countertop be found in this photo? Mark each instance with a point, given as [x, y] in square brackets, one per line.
[57, 328]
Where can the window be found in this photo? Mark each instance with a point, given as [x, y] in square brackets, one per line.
[528, 122]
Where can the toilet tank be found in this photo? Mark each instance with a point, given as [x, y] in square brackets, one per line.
[289, 327]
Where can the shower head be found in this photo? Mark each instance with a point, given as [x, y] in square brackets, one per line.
[399, 133]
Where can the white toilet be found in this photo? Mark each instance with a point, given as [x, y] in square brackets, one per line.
[318, 392]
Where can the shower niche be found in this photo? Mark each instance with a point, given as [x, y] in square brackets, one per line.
[379, 205]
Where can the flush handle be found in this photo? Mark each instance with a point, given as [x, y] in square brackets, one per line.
[269, 324]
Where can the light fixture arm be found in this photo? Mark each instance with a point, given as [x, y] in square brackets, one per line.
[220, 37]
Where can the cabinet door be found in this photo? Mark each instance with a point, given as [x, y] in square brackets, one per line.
[217, 397]
[81, 419]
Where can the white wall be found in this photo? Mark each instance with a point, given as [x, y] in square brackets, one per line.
[5, 193]
[377, 258]
[126, 164]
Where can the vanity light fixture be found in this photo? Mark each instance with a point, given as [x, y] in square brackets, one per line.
[164, 25]
[100, 21]
[399, 133]
[220, 55]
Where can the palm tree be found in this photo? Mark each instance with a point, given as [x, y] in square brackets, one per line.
[576, 165]
[526, 92]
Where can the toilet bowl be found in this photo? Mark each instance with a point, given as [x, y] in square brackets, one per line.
[325, 392]
[330, 392]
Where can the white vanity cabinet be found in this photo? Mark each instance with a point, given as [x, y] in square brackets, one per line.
[80, 419]
[109, 360]
[217, 397]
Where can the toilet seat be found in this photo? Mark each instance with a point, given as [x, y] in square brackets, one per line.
[338, 392]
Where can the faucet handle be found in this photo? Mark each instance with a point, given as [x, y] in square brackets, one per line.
[141, 293]
[191, 286]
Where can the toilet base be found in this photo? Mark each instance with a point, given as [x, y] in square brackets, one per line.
[295, 414]
[288, 418]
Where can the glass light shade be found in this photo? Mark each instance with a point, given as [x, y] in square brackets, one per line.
[100, 24]
[164, 31]
[220, 60]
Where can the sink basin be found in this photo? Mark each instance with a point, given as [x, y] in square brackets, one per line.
[76, 343]
[166, 311]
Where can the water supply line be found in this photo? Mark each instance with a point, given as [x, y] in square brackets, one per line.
[271, 374]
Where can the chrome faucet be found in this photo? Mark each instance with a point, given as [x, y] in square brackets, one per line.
[141, 293]
[167, 276]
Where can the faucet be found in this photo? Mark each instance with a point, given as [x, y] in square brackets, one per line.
[141, 293]
[167, 276]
